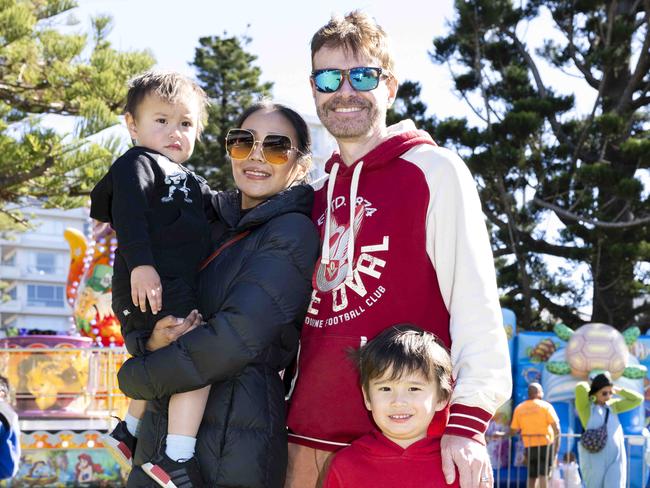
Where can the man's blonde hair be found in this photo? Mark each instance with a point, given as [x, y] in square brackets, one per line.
[170, 87]
[358, 34]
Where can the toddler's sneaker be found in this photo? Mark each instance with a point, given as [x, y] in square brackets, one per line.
[174, 474]
[121, 444]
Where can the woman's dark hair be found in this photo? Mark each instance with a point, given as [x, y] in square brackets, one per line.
[295, 119]
[600, 381]
[402, 349]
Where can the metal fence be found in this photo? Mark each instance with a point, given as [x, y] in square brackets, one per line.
[512, 462]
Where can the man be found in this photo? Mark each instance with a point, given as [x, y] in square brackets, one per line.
[539, 426]
[9, 434]
[413, 248]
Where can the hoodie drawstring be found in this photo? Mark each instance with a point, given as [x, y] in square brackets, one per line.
[325, 251]
[354, 186]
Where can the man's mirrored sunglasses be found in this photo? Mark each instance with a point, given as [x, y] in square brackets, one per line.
[362, 78]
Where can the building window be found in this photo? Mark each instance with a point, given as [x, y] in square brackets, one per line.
[50, 227]
[9, 260]
[12, 293]
[45, 296]
[45, 263]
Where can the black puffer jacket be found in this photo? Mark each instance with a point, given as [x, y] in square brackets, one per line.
[254, 296]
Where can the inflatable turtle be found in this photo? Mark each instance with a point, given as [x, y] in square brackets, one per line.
[597, 347]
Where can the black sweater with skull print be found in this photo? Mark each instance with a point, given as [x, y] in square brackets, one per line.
[160, 212]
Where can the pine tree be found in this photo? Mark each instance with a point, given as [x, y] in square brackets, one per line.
[44, 73]
[226, 72]
[541, 163]
[408, 105]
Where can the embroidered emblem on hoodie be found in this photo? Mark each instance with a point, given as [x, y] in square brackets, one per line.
[328, 276]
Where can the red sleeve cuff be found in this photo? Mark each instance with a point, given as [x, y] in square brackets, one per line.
[466, 421]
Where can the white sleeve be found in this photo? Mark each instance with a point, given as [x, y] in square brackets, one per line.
[458, 245]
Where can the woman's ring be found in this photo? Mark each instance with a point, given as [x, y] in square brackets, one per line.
[485, 478]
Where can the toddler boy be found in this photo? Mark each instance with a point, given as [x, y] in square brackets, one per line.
[160, 212]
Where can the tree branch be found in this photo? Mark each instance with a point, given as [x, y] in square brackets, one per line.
[537, 245]
[557, 130]
[566, 314]
[35, 172]
[644, 307]
[564, 214]
[13, 217]
[641, 69]
[640, 102]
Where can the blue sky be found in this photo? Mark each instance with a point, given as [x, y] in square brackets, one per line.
[281, 31]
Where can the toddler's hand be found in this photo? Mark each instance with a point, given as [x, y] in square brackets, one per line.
[145, 285]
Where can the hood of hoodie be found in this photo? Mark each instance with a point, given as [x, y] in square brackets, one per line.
[399, 138]
[378, 445]
[295, 199]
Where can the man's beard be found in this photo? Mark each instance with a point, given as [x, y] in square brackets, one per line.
[352, 127]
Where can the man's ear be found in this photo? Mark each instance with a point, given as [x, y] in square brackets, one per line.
[392, 85]
[130, 125]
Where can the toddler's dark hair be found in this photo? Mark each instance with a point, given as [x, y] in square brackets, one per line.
[170, 87]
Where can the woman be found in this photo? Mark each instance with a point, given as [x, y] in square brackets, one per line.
[254, 295]
[606, 468]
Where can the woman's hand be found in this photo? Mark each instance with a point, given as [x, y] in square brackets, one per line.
[170, 328]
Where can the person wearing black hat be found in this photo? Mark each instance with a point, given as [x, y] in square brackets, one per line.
[596, 406]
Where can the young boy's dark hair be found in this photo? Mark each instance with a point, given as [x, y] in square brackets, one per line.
[169, 86]
[405, 348]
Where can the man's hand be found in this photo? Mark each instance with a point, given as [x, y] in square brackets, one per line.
[145, 285]
[170, 328]
[470, 457]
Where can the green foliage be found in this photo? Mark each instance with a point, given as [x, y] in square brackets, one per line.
[46, 72]
[541, 164]
[226, 72]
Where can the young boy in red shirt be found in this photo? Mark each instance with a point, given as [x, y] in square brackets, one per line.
[405, 379]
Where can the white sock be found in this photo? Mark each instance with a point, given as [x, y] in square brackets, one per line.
[180, 447]
[132, 424]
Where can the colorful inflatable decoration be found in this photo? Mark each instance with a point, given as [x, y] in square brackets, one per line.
[65, 459]
[597, 347]
[50, 375]
[559, 360]
[89, 284]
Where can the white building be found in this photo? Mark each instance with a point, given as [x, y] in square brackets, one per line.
[322, 145]
[35, 264]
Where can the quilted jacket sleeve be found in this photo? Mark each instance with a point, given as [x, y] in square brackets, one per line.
[270, 292]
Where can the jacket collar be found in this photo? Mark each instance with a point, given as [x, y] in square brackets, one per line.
[296, 199]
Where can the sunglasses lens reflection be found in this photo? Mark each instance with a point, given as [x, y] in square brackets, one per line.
[276, 148]
[364, 79]
[328, 81]
[239, 144]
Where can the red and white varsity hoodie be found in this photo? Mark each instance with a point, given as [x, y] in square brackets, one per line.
[420, 254]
